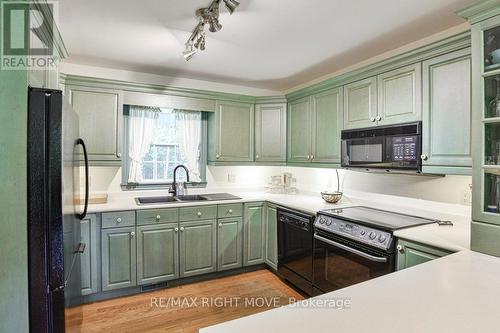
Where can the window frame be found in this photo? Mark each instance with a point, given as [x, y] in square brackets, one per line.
[125, 185]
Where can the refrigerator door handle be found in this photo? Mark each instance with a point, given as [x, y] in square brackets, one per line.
[86, 204]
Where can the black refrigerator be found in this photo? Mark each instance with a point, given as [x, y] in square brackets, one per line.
[55, 156]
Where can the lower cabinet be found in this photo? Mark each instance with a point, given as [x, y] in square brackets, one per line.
[89, 258]
[157, 253]
[411, 254]
[229, 243]
[198, 247]
[118, 250]
[254, 232]
[271, 236]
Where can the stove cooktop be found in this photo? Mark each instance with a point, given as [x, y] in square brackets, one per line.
[377, 218]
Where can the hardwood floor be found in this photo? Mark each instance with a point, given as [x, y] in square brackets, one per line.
[187, 308]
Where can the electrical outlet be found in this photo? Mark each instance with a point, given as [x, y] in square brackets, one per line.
[467, 199]
[231, 178]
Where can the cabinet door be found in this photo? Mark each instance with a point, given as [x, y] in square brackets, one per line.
[88, 259]
[400, 95]
[411, 254]
[360, 103]
[229, 243]
[447, 111]
[101, 117]
[234, 132]
[198, 247]
[327, 122]
[270, 133]
[299, 130]
[254, 234]
[118, 258]
[157, 253]
[271, 236]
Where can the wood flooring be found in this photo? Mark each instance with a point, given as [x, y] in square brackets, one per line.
[186, 308]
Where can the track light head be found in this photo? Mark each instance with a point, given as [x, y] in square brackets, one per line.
[231, 5]
[214, 24]
[189, 52]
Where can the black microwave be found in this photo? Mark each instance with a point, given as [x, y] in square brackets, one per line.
[393, 148]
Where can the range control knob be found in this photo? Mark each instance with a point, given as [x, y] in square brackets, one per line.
[321, 220]
[381, 238]
[362, 232]
[372, 235]
[328, 222]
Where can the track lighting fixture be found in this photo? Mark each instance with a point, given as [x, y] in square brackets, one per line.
[206, 16]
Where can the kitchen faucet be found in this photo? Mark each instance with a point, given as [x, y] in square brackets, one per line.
[173, 188]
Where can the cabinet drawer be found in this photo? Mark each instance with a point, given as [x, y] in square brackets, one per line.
[118, 219]
[197, 213]
[229, 210]
[157, 216]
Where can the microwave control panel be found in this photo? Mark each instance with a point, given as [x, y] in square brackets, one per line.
[405, 148]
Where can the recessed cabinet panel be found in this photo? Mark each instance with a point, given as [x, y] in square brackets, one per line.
[270, 133]
[118, 258]
[254, 234]
[271, 236]
[198, 248]
[400, 95]
[230, 240]
[360, 103]
[447, 110]
[89, 258]
[100, 117]
[299, 130]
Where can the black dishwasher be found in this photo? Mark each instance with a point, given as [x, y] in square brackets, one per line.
[295, 243]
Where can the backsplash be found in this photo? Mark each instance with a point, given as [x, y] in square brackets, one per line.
[449, 189]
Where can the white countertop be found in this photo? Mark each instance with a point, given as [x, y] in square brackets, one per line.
[456, 293]
[452, 238]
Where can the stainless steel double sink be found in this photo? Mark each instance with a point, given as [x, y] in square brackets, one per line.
[168, 199]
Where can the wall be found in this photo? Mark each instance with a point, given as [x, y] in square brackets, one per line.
[449, 189]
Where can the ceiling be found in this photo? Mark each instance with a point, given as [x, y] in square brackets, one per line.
[271, 44]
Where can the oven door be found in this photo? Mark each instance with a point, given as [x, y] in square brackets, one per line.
[365, 152]
[339, 263]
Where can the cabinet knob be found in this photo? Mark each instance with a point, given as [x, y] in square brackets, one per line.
[312, 157]
[308, 157]
[132, 233]
[220, 225]
[373, 119]
[379, 118]
[400, 249]
[158, 217]
[257, 157]
[182, 229]
[424, 157]
[119, 220]
[217, 156]
[199, 213]
[176, 229]
[118, 154]
[230, 211]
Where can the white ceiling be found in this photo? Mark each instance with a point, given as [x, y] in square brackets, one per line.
[272, 44]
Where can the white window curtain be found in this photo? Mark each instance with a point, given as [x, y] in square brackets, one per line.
[142, 123]
[188, 125]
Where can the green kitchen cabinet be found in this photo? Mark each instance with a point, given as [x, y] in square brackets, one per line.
[360, 103]
[270, 133]
[119, 262]
[446, 132]
[327, 124]
[400, 95]
[314, 127]
[229, 243]
[100, 114]
[254, 233]
[299, 130]
[271, 236]
[198, 247]
[90, 257]
[231, 132]
[410, 254]
[157, 253]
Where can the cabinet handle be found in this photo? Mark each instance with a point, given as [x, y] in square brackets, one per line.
[182, 229]
[379, 118]
[119, 220]
[220, 225]
[199, 213]
[158, 217]
[424, 157]
[400, 249]
[132, 234]
[217, 156]
[176, 229]
[372, 119]
[118, 154]
[230, 211]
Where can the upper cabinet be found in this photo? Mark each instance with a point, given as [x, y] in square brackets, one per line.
[446, 146]
[400, 95]
[360, 103]
[314, 127]
[100, 114]
[231, 132]
[270, 133]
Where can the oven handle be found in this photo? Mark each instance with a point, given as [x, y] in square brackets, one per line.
[350, 249]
